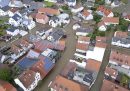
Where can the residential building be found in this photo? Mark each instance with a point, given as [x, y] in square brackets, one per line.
[84, 31]
[42, 18]
[56, 35]
[103, 11]
[13, 11]
[121, 39]
[70, 2]
[15, 20]
[6, 86]
[64, 84]
[119, 59]
[28, 23]
[108, 1]
[28, 80]
[102, 26]
[110, 72]
[111, 20]
[81, 47]
[127, 17]
[86, 14]
[110, 86]
[12, 31]
[16, 3]
[49, 11]
[93, 65]
[94, 53]
[59, 20]
[76, 9]
[4, 11]
[4, 3]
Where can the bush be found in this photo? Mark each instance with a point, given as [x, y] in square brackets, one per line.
[49, 4]
[96, 18]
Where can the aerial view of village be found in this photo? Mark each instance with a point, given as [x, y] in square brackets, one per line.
[64, 45]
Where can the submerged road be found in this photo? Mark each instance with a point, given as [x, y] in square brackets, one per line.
[67, 55]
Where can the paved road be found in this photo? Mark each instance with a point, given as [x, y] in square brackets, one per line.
[67, 55]
[98, 83]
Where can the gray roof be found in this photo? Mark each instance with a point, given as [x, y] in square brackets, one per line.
[36, 5]
[16, 17]
[4, 3]
[27, 1]
[6, 8]
[57, 34]
[70, 0]
[122, 40]
[85, 30]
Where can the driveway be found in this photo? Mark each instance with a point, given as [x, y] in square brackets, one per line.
[67, 55]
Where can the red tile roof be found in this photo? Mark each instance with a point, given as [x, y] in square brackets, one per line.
[111, 72]
[101, 44]
[109, 86]
[27, 77]
[85, 13]
[71, 66]
[93, 65]
[121, 34]
[63, 84]
[104, 10]
[84, 39]
[41, 16]
[39, 67]
[82, 46]
[120, 58]
[110, 19]
[49, 11]
[6, 86]
[101, 39]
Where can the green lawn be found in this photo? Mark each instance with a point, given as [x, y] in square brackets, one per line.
[49, 4]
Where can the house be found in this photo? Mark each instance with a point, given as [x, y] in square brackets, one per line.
[33, 54]
[55, 35]
[81, 47]
[51, 54]
[42, 18]
[43, 44]
[28, 23]
[108, 1]
[4, 3]
[16, 3]
[119, 59]
[13, 11]
[86, 14]
[59, 20]
[103, 11]
[94, 54]
[83, 39]
[106, 21]
[93, 65]
[64, 84]
[28, 80]
[121, 39]
[6, 86]
[76, 26]
[127, 17]
[116, 3]
[4, 11]
[84, 31]
[102, 26]
[110, 72]
[12, 31]
[49, 11]
[26, 2]
[89, 3]
[70, 2]
[35, 5]
[110, 86]
[17, 52]
[76, 9]
[15, 20]
[111, 20]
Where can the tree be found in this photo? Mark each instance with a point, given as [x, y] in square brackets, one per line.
[5, 74]
[96, 17]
